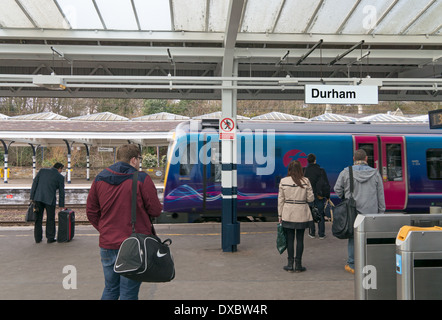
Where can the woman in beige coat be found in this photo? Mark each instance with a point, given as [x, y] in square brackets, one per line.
[295, 192]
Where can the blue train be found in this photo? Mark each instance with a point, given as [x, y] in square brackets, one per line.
[408, 156]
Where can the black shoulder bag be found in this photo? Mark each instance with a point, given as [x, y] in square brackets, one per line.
[144, 257]
[344, 214]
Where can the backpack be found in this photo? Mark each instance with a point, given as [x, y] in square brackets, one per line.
[322, 185]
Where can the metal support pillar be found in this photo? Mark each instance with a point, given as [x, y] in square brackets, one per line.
[69, 161]
[5, 172]
[230, 226]
[141, 162]
[34, 160]
[87, 162]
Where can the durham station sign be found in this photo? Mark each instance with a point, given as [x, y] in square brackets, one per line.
[321, 94]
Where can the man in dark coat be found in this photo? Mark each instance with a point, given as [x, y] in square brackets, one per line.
[43, 193]
[315, 173]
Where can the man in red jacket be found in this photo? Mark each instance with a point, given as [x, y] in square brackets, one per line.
[109, 211]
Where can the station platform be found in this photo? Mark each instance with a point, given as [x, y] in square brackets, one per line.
[17, 191]
[31, 271]
[76, 183]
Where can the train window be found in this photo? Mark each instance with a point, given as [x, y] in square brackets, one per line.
[188, 159]
[215, 161]
[434, 164]
[394, 162]
[369, 149]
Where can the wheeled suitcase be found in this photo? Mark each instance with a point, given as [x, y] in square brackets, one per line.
[66, 225]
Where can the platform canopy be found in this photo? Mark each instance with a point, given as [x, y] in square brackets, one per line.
[422, 118]
[39, 116]
[175, 49]
[161, 116]
[384, 117]
[275, 115]
[333, 118]
[217, 115]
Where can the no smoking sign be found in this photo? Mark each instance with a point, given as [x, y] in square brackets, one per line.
[227, 129]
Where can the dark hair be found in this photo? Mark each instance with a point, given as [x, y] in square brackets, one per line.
[127, 152]
[360, 154]
[311, 158]
[295, 171]
[58, 165]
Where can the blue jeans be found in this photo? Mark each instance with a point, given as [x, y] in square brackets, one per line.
[351, 252]
[116, 286]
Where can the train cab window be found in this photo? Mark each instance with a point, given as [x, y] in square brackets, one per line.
[188, 159]
[394, 162]
[434, 164]
[369, 149]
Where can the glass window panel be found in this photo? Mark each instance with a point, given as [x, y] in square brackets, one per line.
[400, 16]
[394, 162]
[189, 15]
[369, 149]
[188, 159]
[45, 14]
[218, 15]
[153, 14]
[300, 11]
[215, 171]
[366, 16]
[81, 14]
[331, 16]
[12, 16]
[429, 22]
[434, 164]
[117, 14]
[260, 15]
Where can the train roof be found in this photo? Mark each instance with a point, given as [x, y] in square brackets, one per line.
[331, 127]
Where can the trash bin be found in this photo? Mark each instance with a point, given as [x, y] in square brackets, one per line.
[419, 263]
[375, 251]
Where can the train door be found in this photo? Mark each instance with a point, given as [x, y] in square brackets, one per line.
[210, 156]
[387, 154]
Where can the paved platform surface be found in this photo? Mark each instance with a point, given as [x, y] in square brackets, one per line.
[203, 271]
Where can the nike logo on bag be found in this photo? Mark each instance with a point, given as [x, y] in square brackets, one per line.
[119, 265]
[160, 255]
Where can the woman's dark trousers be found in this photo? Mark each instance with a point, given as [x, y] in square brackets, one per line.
[290, 235]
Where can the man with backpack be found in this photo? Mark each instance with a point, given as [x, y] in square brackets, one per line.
[321, 190]
[108, 209]
[368, 193]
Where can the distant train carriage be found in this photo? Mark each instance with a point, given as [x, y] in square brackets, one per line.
[408, 157]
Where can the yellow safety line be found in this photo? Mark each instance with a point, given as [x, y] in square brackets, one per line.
[161, 234]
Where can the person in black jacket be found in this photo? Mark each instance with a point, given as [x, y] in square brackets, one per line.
[315, 173]
[43, 193]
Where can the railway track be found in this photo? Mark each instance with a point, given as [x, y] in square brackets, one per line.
[23, 223]
[14, 215]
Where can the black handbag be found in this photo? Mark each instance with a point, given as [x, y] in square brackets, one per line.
[144, 257]
[281, 240]
[31, 213]
[344, 214]
[316, 216]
